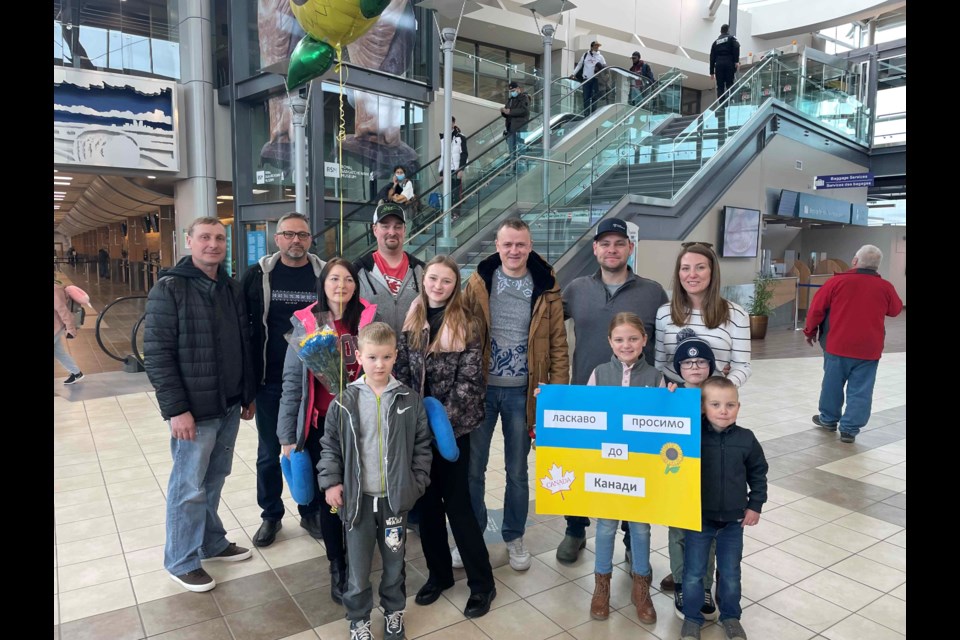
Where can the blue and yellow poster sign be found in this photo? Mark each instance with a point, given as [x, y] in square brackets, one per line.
[626, 453]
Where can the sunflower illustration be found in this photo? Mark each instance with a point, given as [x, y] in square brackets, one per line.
[672, 456]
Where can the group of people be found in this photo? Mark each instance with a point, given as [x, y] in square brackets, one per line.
[216, 351]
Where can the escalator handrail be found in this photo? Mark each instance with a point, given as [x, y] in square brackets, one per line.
[610, 69]
[133, 340]
[100, 317]
[486, 180]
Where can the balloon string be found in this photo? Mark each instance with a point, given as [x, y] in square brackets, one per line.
[341, 135]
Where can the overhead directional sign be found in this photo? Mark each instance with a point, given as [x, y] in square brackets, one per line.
[844, 181]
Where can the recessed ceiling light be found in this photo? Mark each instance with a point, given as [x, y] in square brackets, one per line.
[152, 177]
[257, 192]
[63, 177]
[224, 197]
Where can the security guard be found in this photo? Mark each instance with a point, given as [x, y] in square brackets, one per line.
[724, 60]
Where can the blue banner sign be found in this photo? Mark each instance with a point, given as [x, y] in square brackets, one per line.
[844, 181]
[813, 207]
[625, 453]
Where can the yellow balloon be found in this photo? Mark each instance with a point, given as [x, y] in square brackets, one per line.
[336, 22]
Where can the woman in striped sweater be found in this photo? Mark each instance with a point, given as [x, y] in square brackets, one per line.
[696, 304]
[697, 309]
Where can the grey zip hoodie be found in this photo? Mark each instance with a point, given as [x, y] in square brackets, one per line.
[406, 455]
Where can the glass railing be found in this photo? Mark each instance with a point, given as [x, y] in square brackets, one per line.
[635, 161]
[488, 79]
[494, 153]
[528, 178]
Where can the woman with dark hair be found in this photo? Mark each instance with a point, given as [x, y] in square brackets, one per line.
[402, 190]
[439, 354]
[697, 308]
[304, 403]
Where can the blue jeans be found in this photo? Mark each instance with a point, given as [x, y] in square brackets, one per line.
[729, 537]
[858, 376]
[590, 95]
[200, 466]
[510, 403]
[639, 544]
[61, 354]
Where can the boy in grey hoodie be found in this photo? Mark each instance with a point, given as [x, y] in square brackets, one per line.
[374, 465]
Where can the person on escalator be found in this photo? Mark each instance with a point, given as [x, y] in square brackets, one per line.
[590, 64]
[516, 112]
[647, 78]
[457, 164]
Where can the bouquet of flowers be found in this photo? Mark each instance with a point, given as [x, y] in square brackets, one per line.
[320, 351]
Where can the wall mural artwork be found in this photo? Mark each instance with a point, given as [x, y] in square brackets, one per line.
[384, 43]
[112, 120]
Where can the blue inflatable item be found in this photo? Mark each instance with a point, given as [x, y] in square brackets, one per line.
[434, 200]
[442, 430]
[299, 474]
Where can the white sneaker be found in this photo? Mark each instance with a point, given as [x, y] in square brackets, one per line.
[457, 560]
[519, 556]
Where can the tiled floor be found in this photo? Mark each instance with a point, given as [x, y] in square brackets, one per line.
[828, 559]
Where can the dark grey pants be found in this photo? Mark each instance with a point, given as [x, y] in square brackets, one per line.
[388, 530]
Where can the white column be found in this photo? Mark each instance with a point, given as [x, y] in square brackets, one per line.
[196, 195]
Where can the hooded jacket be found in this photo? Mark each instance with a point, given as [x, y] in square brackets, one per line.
[62, 318]
[730, 461]
[406, 452]
[298, 412]
[458, 153]
[373, 287]
[257, 291]
[547, 357]
[455, 370]
[181, 345]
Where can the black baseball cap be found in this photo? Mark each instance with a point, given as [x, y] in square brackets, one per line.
[388, 209]
[513, 85]
[611, 225]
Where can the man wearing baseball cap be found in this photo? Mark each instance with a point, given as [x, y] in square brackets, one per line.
[590, 63]
[516, 112]
[592, 301]
[390, 277]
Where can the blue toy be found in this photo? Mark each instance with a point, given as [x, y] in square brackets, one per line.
[442, 430]
[298, 472]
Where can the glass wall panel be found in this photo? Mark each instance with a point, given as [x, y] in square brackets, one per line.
[137, 37]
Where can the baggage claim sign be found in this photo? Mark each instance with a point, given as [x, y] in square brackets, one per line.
[625, 453]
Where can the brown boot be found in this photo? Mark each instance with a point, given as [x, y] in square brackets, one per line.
[667, 583]
[640, 597]
[600, 605]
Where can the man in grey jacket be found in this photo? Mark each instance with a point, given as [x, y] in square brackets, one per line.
[592, 302]
[390, 277]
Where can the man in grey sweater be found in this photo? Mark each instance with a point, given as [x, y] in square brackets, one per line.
[390, 277]
[592, 301]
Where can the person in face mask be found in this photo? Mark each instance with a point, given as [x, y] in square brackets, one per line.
[402, 191]
[516, 112]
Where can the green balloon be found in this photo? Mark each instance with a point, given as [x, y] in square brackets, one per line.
[308, 61]
[370, 8]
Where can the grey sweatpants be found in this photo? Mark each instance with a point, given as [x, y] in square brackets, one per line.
[388, 530]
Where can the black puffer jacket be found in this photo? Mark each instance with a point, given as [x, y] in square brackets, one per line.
[180, 342]
[455, 372]
[731, 462]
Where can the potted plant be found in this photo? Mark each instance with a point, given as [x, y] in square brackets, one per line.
[759, 306]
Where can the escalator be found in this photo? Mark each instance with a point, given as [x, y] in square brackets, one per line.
[665, 178]
[490, 156]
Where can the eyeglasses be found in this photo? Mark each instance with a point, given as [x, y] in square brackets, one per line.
[687, 245]
[694, 364]
[290, 235]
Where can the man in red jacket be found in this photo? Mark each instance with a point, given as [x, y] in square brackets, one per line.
[849, 311]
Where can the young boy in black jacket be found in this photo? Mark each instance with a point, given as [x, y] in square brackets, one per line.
[731, 460]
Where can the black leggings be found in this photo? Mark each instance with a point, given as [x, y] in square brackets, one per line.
[330, 524]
